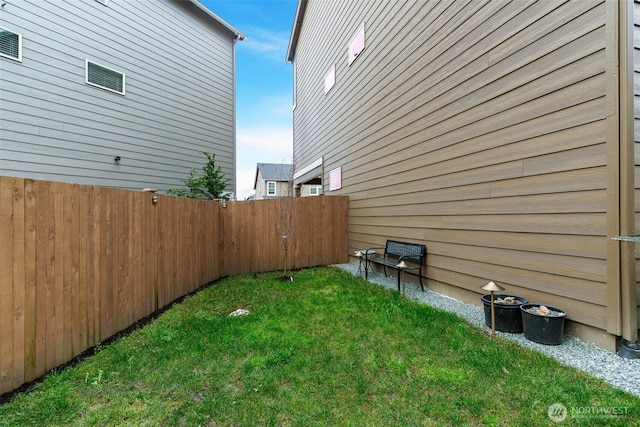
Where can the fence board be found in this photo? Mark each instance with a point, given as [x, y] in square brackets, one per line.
[30, 338]
[93, 265]
[106, 267]
[67, 278]
[6, 284]
[119, 232]
[81, 321]
[135, 257]
[57, 288]
[44, 274]
[85, 262]
[18, 281]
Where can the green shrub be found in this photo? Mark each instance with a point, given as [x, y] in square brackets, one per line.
[210, 185]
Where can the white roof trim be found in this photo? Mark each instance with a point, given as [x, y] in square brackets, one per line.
[295, 31]
[238, 35]
[308, 168]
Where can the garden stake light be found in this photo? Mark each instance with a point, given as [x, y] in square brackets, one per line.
[492, 287]
[402, 266]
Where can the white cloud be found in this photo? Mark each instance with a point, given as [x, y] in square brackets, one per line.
[269, 44]
[260, 144]
[244, 182]
[269, 140]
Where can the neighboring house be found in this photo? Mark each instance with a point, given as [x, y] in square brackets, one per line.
[118, 93]
[500, 134]
[273, 180]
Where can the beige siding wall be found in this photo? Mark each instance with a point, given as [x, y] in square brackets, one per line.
[476, 127]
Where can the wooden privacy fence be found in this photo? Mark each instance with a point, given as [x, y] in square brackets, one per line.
[80, 263]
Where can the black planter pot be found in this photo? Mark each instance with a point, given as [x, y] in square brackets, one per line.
[508, 316]
[543, 329]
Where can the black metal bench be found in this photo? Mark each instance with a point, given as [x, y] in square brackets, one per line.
[413, 254]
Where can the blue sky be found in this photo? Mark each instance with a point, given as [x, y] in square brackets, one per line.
[264, 118]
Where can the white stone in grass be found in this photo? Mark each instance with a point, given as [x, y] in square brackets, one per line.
[239, 312]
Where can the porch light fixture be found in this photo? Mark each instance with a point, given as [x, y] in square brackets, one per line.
[492, 287]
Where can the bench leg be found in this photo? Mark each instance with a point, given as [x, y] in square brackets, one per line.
[421, 285]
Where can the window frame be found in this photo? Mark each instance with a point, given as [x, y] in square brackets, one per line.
[330, 79]
[13, 58]
[335, 179]
[317, 188]
[295, 92]
[357, 44]
[275, 188]
[86, 77]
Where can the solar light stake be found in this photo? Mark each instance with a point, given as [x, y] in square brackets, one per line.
[492, 287]
[402, 265]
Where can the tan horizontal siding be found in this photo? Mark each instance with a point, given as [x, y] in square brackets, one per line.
[579, 224]
[477, 128]
[420, 191]
[591, 201]
[445, 103]
[570, 245]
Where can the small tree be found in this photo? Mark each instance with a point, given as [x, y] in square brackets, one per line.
[210, 185]
[285, 222]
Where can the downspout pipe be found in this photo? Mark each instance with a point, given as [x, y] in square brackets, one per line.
[627, 238]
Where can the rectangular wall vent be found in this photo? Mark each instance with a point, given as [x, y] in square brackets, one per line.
[105, 78]
[10, 45]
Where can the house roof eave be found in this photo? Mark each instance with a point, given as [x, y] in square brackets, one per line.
[295, 31]
[237, 35]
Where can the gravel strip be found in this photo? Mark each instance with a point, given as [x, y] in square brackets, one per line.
[617, 371]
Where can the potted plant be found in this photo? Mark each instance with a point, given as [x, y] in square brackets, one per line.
[542, 323]
[508, 317]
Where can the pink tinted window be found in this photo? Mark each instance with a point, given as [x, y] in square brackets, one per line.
[335, 179]
[357, 44]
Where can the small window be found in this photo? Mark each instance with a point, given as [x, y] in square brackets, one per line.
[10, 45]
[330, 79]
[294, 83]
[271, 188]
[105, 78]
[356, 46]
[314, 190]
[335, 179]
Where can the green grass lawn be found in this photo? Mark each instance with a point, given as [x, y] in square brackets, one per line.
[327, 349]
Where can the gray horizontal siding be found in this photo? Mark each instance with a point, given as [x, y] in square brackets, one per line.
[179, 93]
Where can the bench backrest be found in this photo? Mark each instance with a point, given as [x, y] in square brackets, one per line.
[410, 251]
